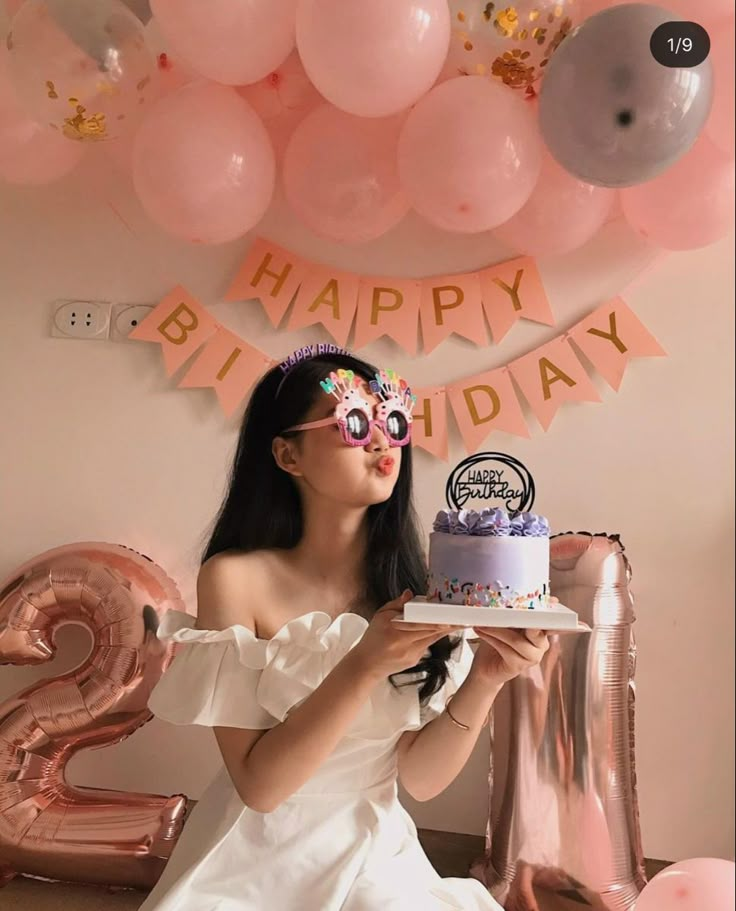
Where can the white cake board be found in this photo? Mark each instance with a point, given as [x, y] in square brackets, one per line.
[557, 617]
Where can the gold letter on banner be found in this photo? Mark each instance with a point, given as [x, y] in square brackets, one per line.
[486, 402]
[229, 365]
[550, 376]
[271, 275]
[429, 425]
[611, 335]
[495, 403]
[439, 307]
[388, 306]
[395, 294]
[192, 322]
[329, 297]
[452, 304]
[611, 348]
[513, 291]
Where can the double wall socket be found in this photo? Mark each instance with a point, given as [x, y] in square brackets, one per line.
[96, 319]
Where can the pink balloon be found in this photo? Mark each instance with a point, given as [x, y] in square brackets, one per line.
[702, 884]
[171, 71]
[230, 41]
[469, 154]
[690, 205]
[282, 100]
[29, 152]
[170, 74]
[340, 175]
[720, 125]
[561, 215]
[203, 165]
[373, 58]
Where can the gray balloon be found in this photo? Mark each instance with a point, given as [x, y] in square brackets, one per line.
[609, 113]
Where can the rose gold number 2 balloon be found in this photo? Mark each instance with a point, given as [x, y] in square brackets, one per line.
[47, 827]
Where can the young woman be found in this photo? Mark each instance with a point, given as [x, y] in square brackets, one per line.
[319, 697]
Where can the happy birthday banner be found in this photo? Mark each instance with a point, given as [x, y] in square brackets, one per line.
[394, 307]
[547, 377]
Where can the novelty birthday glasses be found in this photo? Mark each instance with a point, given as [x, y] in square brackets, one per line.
[356, 417]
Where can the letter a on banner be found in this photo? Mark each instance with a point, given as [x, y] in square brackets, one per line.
[326, 296]
[550, 376]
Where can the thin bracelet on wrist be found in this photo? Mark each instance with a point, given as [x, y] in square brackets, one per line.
[459, 724]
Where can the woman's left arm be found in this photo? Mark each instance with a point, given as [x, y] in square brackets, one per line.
[430, 759]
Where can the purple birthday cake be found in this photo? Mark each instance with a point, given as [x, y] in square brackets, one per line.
[490, 559]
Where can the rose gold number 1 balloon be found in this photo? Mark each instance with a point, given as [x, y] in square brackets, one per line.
[569, 820]
[47, 827]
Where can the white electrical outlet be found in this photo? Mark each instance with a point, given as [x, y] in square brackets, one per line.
[125, 317]
[81, 319]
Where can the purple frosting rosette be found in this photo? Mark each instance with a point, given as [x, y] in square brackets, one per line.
[494, 522]
[529, 525]
[444, 521]
[490, 522]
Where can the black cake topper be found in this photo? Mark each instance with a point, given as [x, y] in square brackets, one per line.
[490, 479]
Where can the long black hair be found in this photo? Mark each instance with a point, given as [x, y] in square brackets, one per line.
[262, 507]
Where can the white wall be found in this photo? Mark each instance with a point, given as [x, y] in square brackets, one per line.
[97, 444]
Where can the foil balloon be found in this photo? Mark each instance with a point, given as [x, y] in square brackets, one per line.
[83, 68]
[609, 113]
[511, 43]
[568, 822]
[48, 828]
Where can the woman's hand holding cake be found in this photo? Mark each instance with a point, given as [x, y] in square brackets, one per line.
[505, 653]
[390, 646]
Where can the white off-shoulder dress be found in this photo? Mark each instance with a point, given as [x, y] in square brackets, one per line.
[343, 842]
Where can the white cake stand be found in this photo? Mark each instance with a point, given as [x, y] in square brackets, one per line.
[556, 617]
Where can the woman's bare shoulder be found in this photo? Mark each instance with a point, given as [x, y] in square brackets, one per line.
[229, 587]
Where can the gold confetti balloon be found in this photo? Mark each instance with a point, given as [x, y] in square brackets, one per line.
[510, 43]
[81, 66]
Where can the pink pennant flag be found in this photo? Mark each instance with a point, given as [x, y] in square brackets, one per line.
[484, 403]
[229, 365]
[327, 296]
[550, 376]
[512, 291]
[611, 336]
[388, 306]
[429, 426]
[448, 304]
[180, 324]
[271, 275]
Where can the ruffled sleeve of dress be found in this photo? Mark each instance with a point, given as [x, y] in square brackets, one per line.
[230, 678]
[213, 678]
